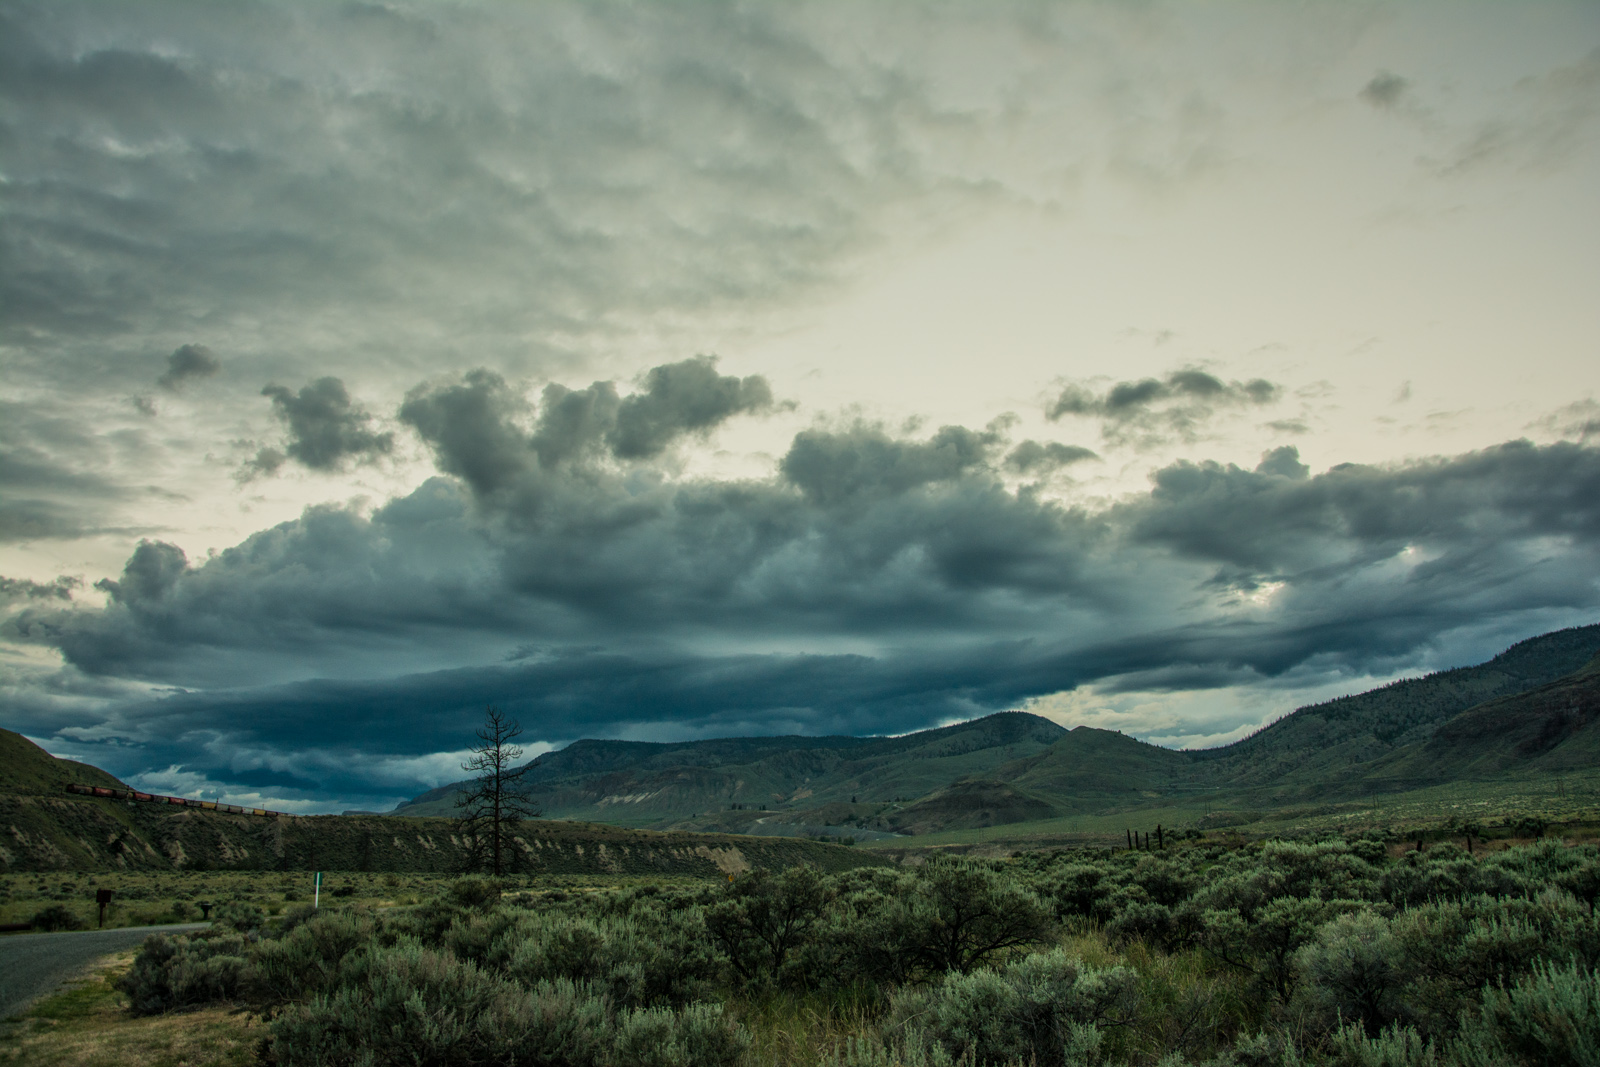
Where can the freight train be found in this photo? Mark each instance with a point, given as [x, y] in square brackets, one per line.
[182, 802]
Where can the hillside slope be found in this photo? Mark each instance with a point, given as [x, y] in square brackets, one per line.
[30, 769]
[82, 833]
[42, 828]
[1553, 728]
[1323, 742]
[1015, 767]
[643, 784]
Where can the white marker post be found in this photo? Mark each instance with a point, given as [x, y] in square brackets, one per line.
[316, 892]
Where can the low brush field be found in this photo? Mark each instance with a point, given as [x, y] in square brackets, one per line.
[1217, 951]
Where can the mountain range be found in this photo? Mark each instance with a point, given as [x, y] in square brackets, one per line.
[1526, 723]
[1530, 710]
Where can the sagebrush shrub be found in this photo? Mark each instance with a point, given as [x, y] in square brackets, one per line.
[1353, 971]
[307, 959]
[182, 971]
[241, 916]
[410, 1004]
[697, 1036]
[1397, 1046]
[55, 917]
[1032, 1010]
[1551, 1016]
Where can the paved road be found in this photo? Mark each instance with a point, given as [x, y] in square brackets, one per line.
[33, 965]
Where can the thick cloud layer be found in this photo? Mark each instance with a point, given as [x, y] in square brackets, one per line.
[875, 581]
[471, 245]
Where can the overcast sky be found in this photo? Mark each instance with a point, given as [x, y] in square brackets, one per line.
[673, 370]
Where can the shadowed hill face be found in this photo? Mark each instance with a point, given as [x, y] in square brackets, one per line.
[1555, 727]
[28, 769]
[638, 783]
[1326, 739]
[970, 804]
[1093, 764]
[1014, 767]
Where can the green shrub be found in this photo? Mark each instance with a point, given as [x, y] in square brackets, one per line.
[1261, 1049]
[1077, 890]
[655, 960]
[1552, 1016]
[55, 917]
[1353, 971]
[176, 972]
[1034, 1009]
[241, 916]
[479, 894]
[306, 959]
[1398, 1046]
[409, 1004]
[964, 914]
[1265, 944]
[698, 1036]
[763, 918]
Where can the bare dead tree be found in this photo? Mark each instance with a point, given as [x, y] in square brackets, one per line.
[497, 800]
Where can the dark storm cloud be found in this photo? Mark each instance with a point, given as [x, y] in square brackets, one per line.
[682, 398]
[1152, 411]
[1276, 521]
[476, 426]
[1384, 90]
[149, 575]
[1033, 456]
[284, 168]
[634, 603]
[533, 182]
[188, 362]
[14, 589]
[864, 463]
[325, 427]
[469, 425]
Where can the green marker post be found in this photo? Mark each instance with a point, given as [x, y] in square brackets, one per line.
[316, 891]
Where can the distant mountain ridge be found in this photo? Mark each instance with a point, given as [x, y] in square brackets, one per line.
[643, 783]
[43, 827]
[1356, 729]
[1015, 767]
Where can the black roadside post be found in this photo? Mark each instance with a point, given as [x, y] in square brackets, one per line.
[205, 909]
[1130, 839]
[102, 897]
[1160, 844]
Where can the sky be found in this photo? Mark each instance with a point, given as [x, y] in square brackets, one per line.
[666, 371]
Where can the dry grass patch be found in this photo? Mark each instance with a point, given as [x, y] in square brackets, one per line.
[88, 1025]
